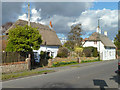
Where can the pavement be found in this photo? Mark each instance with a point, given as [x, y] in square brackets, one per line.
[86, 75]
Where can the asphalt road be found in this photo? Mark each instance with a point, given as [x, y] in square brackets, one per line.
[90, 75]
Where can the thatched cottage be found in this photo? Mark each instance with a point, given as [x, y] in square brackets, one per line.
[103, 44]
[51, 42]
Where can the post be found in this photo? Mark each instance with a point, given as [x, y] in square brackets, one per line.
[28, 60]
[78, 60]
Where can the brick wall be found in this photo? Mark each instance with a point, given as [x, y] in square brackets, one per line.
[9, 68]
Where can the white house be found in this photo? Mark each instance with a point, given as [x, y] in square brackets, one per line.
[103, 44]
[51, 42]
[63, 40]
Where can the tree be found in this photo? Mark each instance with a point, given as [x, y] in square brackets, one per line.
[117, 40]
[75, 35]
[70, 45]
[24, 39]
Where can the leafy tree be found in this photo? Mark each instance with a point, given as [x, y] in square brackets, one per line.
[75, 35]
[117, 40]
[23, 39]
[70, 45]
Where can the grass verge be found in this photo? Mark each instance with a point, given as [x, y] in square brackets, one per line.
[60, 64]
[23, 74]
[87, 61]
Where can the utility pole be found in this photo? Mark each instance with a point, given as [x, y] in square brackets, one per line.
[29, 55]
[99, 32]
[28, 14]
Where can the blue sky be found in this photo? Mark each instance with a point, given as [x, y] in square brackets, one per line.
[107, 5]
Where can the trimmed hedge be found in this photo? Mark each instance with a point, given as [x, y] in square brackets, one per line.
[90, 51]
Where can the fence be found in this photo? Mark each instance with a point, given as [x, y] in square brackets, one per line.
[9, 57]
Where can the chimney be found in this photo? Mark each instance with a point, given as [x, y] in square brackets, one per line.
[28, 14]
[105, 33]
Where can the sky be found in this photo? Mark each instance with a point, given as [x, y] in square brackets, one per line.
[65, 14]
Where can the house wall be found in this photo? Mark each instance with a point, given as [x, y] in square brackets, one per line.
[109, 53]
[99, 45]
[52, 49]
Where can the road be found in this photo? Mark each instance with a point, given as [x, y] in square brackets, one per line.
[91, 75]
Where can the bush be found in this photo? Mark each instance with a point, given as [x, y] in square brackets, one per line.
[63, 52]
[90, 51]
[44, 56]
[95, 53]
[79, 51]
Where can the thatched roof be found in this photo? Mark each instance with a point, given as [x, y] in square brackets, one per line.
[99, 37]
[49, 36]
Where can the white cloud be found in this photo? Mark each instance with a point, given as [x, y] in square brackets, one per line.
[23, 17]
[35, 16]
[89, 18]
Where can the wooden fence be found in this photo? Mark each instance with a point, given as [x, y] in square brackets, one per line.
[10, 57]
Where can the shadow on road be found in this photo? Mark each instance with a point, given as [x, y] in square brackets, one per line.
[101, 83]
[116, 78]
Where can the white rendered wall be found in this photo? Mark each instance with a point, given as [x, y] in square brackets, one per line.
[109, 54]
[99, 45]
[53, 49]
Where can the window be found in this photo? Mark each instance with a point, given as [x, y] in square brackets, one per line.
[95, 42]
[110, 53]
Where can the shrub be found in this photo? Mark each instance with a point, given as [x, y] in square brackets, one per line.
[63, 52]
[90, 51]
[44, 58]
[79, 51]
[95, 53]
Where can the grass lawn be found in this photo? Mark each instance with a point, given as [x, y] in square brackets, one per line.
[66, 65]
[87, 61]
[23, 74]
